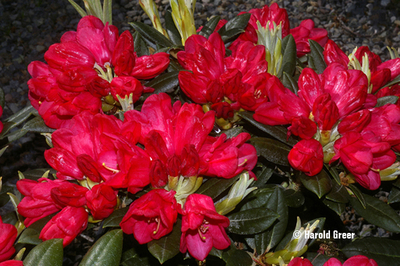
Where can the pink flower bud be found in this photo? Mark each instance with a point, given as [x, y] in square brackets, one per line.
[101, 201]
[307, 156]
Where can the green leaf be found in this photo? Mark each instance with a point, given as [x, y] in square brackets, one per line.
[316, 57]
[289, 55]
[251, 221]
[294, 198]
[272, 150]
[173, 33]
[394, 195]
[234, 27]
[106, 251]
[238, 258]
[4, 198]
[78, 8]
[377, 213]
[290, 83]
[383, 251]
[278, 132]
[115, 218]
[167, 247]
[139, 44]
[358, 195]
[210, 26]
[257, 199]
[29, 236]
[263, 176]
[17, 119]
[35, 174]
[338, 193]
[34, 125]
[215, 186]
[337, 207]
[48, 253]
[131, 257]
[163, 83]
[317, 259]
[320, 184]
[391, 99]
[269, 239]
[152, 36]
[107, 11]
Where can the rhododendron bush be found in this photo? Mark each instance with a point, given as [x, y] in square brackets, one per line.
[240, 142]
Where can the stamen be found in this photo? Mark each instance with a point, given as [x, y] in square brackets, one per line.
[109, 168]
[101, 72]
[243, 163]
[158, 221]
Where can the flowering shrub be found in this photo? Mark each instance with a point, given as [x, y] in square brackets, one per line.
[206, 145]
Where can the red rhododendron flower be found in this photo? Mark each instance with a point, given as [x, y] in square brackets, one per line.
[69, 194]
[152, 216]
[8, 234]
[240, 77]
[306, 31]
[307, 156]
[38, 202]
[358, 260]
[202, 227]
[12, 263]
[176, 138]
[300, 262]
[67, 224]
[101, 201]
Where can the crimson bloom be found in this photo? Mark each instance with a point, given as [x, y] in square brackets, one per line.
[358, 260]
[67, 224]
[307, 156]
[101, 201]
[152, 216]
[38, 202]
[12, 263]
[69, 194]
[202, 227]
[8, 234]
[300, 262]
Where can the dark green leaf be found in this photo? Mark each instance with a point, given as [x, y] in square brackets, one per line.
[317, 259]
[294, 198]
[269, 239]
[394, 195]
[210, 26]
[337, 207]
[251, 221]
[377, 213]
[320, 184]
[139, 44]
[166, 247]
[34, 125]
[4, 198]
[383, 251]
[48, 253]
[386, 100]
[234, 27]
[106, 251]
[230, 36]
[238, 258]
[278, 132]
[152, 36]
[37, 173]
[172, 32]
[290, 83]
[38, 225]
[29, 236]
[358, 195]
[233, 132]
[257, 199]
[174, 65]
[215, 186]
[131, 257]
[289, 55]
[316, 57]
[272, 150]
[263, 176]
[163, 83]
[338, 193]
[22, 115]
[115, 218]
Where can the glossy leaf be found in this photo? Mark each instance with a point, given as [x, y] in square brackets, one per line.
[289, 82]
[238, 258]
[394, 195]
[48, 253]
[338, 193]
[315, 57]
[391, 99]
[170, 27]
[377, 213]
[357, 193]
[115, 218]
[139, 44]
[38, 173]
[251, 221]
[289, 55]
[257, 199]
[278, 132]
[215, 186]
[152, 36]
[234, 27]
[337, 207]
[383, 251]
[320, 184]
[294, 198]
[29, 236]
[210, 26]
[263, 175]
[163, 83]
[131, 257]
[106, 251]
[272, 150]
[167, 247]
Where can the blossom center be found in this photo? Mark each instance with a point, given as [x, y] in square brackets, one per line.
[203, 229]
